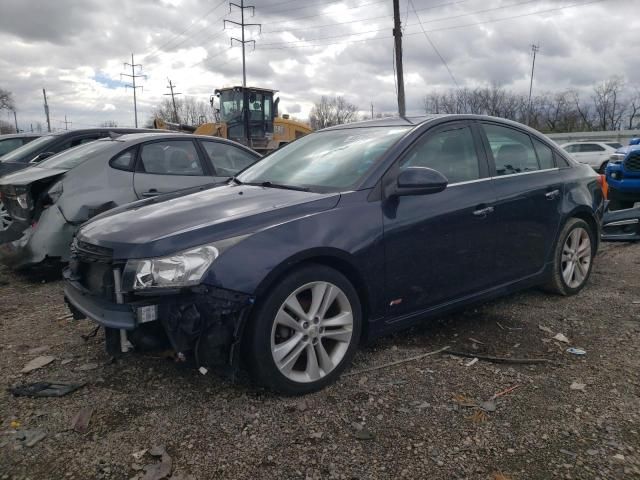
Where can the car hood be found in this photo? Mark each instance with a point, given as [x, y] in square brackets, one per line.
[181, 222]
[30, 175]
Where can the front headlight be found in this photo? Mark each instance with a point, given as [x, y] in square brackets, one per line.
[179, 270]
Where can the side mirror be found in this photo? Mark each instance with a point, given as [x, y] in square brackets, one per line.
[41, 156]
[419, 181]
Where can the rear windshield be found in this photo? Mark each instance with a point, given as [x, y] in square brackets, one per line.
[28, 151]
[73, 157]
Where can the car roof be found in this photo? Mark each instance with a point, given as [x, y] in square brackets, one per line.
[416, 121]
[20, 135]
[164, 134]
[118, 130]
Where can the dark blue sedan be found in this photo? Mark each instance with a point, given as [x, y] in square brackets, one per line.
[342, 236]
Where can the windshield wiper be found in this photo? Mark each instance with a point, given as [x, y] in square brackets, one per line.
[269, 184]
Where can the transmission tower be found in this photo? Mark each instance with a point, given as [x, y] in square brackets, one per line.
[242, 41]
[133, 85]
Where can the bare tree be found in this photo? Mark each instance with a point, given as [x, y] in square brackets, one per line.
[606, 101]
[634, 108]
[109, 124]
[332, 111]
[191, 111]
[6, 100]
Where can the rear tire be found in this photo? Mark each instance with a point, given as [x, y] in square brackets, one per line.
[305, 331]
[572, 258]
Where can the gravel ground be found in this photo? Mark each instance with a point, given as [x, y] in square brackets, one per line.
[419, 419]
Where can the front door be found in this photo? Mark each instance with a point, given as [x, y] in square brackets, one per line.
[528, 191]
[167, 166]
[439, 247]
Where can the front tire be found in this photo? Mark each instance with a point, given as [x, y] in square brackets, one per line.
[573, 258]
[305, 331]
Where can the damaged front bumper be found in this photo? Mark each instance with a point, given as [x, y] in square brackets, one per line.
[621, 225]
[23, 245]
[203, 322]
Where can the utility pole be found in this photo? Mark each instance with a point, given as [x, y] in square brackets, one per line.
[173, 100]
[241, 24]
[46, 110]
[397, 35]
[66, 122]
[15, 119]
[534, 50]
[371, 110]
[133, 86]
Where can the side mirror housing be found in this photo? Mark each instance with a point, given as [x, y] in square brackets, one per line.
[41, 156]
[419, 181]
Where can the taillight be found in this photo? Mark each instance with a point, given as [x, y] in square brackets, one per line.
[602, 181]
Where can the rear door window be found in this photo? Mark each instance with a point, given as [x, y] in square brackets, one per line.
[451, 152]
[545, 154]
[9, 144]
[174, 157]
[591, 147]
[512, 150]
[227, 160]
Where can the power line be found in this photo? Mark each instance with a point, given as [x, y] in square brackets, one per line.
[133, 86]
[322, 14]
[534, 50]
[440, 29]
[433, 45]
[185, 30]
[173, 101]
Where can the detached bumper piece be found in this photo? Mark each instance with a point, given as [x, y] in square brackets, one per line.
[107, 314]
[621, 225]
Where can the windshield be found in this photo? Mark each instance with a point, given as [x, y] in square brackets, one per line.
[75, 156]
[28, 151]
[332, 160]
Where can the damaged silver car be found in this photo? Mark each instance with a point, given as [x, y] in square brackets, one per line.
[49, 201]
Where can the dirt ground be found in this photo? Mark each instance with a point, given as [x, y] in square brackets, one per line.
[577, 417]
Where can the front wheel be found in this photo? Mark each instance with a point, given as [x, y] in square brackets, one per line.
[573, 258]
[305, 332]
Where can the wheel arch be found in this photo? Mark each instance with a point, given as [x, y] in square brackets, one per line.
[331, 257]
[583, 213]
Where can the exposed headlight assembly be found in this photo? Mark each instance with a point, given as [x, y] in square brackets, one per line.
[182, 269]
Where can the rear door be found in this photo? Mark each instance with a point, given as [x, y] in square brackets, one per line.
[528, 191]
[169, 165]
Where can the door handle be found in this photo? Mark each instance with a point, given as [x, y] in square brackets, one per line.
[552, 195]
[152, 192]
[483, 212]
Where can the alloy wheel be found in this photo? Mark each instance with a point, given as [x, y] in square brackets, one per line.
[312, 332]
[5, 218]
[576, 257]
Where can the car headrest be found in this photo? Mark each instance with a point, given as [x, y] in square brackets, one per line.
[179, 161]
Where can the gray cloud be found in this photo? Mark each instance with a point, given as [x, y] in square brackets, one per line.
[63, 45]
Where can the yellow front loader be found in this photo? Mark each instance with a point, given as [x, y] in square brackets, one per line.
[248, 116]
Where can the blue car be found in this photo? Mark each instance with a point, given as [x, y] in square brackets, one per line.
[623, 176]
[344, 235]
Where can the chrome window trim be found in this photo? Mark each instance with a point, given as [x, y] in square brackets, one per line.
[502, 176]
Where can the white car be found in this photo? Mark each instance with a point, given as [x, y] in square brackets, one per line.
[594, 154]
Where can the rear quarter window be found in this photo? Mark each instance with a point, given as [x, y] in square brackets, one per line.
[124, 161]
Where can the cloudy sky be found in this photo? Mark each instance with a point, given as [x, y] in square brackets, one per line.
[306, 48]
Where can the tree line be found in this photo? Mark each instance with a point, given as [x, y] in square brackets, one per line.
[609, 106]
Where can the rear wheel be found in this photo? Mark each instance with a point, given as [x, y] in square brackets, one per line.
[305, 332]
[573, 258]
[5, 218]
